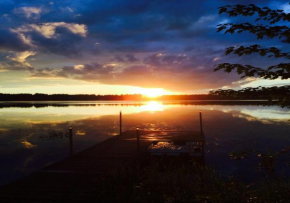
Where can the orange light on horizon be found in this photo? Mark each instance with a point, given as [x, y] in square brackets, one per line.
[153, 92]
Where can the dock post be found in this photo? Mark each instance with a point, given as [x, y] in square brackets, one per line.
[200, 121]
[202, 155]
[138, 140]
[70, 141]
[120, 122]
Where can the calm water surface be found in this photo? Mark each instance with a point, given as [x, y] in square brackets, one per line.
[34, 135]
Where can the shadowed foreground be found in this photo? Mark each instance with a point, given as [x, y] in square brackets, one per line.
[114, 171]
[179, 179]
[71, 178]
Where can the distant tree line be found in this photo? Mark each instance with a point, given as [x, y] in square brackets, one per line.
[128, 97]
[65, 97]
[274, 95]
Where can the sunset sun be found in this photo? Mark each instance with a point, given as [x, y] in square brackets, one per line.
[153, 92]
[144, 101]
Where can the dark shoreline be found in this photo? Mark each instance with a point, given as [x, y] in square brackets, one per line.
[125, 97]
[84, 103]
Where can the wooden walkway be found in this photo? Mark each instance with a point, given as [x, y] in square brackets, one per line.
[58, 181]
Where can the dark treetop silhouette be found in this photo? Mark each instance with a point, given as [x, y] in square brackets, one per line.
[270, 31]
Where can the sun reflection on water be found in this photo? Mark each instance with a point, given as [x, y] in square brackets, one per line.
[152, 106]
[44, 131]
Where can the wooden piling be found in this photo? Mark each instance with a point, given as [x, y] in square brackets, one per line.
[138, 140]
[200, 121]
[70, 141]
[120, 122]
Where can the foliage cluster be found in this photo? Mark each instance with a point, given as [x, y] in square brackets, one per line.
[275, 26]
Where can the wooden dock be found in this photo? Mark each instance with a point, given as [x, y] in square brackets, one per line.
[59, 181]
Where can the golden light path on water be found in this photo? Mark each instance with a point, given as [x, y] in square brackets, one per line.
[96, 109]
[38, 128]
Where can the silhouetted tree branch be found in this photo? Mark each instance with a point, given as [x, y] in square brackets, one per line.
[261, 31]
[281, 70]
[265, 13]
[269, 52]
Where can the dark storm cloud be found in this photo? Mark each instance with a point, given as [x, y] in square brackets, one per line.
[137, 21]
[88, 72]
[122, 24]
[175, 72]
[161, 43]
[164, 60]
[66, 43]
[125, 58]
[10, 41]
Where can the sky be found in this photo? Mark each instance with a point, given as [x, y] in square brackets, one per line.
[123, 46]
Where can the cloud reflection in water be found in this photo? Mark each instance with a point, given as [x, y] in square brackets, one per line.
[227, 128]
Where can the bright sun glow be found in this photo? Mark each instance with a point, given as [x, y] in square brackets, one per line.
[152, 106]
[153, 92]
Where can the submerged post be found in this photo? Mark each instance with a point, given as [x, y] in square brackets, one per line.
[120, 122]
[70, 141]
[200, 121]
[138, 140]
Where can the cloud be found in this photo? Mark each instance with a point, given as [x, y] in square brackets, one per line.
[21, 57]
[125, 58]
[165, 43]
[28, 12]
[56, 38]
[175, 72]
[167, 60]
[286, 7]
[89, 72]
[48, 30]
[16, 61]
[10, 41]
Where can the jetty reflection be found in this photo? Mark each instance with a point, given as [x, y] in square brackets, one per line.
[32, 138]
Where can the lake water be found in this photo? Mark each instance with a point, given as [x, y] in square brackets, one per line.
[240, 139]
